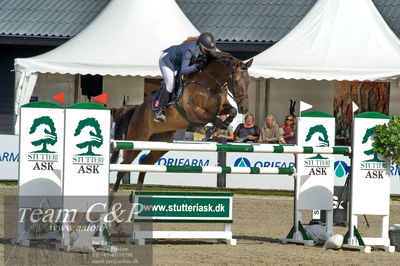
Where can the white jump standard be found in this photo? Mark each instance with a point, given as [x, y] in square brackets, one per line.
[314, 180]
[370, 185]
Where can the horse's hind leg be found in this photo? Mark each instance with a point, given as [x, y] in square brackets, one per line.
[153, 156]
[129, 156]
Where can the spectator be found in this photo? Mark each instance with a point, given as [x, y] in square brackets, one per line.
[247, 131]
[289, 130]
[270, 132]
[223, 134]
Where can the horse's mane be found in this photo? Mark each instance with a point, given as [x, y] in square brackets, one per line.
[223, 58]
[191, 39]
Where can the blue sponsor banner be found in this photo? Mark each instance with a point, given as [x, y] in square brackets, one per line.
[342, 169]
[179, 161]
[245, 162]
[9, 157]
[395, 171]
[275, 160]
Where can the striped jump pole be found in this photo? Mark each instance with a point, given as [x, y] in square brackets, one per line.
[258, 148]
[200, 169]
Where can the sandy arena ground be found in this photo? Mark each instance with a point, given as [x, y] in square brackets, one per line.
[260, 222]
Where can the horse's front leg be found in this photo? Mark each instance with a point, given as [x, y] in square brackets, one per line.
[231, 115]
[231, 112]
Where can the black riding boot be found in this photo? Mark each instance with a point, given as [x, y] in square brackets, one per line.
[160, 113]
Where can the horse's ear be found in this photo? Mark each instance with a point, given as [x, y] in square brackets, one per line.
[249, 63]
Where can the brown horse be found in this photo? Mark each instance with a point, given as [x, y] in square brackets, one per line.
[203, 98]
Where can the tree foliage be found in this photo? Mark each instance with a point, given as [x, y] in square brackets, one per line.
[387, 140]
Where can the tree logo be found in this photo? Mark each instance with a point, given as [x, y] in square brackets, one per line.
[368, 134]
[322, 140]
[94, 138]
[320, 131]
[44, 127]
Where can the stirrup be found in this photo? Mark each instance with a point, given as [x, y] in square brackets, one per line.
[160, 116]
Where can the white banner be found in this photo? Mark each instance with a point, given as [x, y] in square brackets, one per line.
[177, 158]
[271, 160]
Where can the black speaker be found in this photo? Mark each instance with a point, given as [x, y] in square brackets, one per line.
[92, 85]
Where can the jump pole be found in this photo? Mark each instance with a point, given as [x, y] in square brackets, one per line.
[256, 148]
[200, 169]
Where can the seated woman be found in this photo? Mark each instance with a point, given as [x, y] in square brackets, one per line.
[289, 129]
[270, 132]
[223, 135]
[247, 131]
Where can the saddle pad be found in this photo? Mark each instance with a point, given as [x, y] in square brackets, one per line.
[174, 97]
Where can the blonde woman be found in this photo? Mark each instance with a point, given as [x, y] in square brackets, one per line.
[270, 132]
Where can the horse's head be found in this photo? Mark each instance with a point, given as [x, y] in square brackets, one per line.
[226, 69]
[239, 83]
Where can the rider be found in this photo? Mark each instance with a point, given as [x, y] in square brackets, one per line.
[178, 58]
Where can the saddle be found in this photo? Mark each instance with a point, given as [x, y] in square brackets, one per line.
[173, 97]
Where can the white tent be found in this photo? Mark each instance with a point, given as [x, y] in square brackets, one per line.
[336, 40]
[125, 39]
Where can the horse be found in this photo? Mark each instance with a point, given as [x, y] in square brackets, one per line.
[204, 97]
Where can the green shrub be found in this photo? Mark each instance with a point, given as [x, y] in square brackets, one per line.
[387, 140]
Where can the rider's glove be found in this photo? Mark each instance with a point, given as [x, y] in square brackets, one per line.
[201, 65]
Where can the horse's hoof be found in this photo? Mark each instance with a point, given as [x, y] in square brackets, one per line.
[130, 198]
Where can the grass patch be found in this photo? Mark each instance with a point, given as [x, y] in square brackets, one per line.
[395, 198]
[235, 191]
[9, 183]
[203, 189]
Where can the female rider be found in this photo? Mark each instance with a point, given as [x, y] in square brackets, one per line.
[178, 58]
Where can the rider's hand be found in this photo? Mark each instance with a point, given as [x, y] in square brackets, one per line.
[201, 65]
[202, 57]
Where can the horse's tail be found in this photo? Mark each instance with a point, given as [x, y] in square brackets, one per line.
[122, 117]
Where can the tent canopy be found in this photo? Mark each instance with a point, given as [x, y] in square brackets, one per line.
[125, 39]
[336, 40]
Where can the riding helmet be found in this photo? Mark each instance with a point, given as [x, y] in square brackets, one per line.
[207, 41]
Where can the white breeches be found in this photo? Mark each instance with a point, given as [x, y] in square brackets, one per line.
[168, 73]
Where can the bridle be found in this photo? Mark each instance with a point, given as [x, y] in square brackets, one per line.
[231, 89]
[229, 85]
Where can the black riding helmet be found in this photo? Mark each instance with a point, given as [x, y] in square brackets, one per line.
[207, 41]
